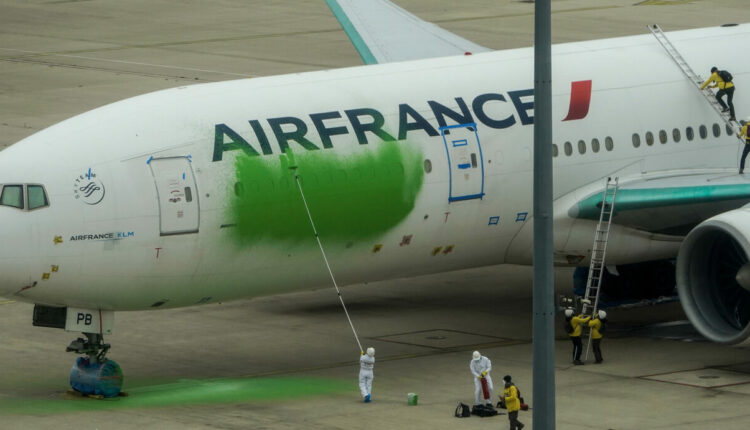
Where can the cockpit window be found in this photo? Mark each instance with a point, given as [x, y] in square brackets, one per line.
[12, 196]
[37, 197]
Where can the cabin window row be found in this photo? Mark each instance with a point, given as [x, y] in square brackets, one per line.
[596, 146]
[663, 137]
[23, 196]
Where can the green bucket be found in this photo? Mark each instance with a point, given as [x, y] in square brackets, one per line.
[412, 399]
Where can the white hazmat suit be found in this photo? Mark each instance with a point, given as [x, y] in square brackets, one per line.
[366, 365]
[478, 366]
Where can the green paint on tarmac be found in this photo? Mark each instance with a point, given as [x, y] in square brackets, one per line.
[182, 393]
[354, 197]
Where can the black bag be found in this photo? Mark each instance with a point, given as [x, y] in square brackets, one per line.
[462, 411]
[483, 411]
[725, 76]
[603, 327]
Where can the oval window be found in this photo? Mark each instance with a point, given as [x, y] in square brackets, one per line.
[689, 133]
[676, 134]
[636, 140]
[554, 150]
[649, 138]
[568, 149]
[581, 147]
[427, 166]
[716, 129]
[609, 144]
[703, 131]
[595, 145]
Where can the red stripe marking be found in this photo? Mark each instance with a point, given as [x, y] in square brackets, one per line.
[580, 98]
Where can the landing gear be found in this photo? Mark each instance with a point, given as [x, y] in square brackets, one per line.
[94, 374]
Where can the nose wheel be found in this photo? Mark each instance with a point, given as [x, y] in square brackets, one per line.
[94, 374]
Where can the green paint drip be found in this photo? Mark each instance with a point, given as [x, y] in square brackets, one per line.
[350, 197]
[186, 392]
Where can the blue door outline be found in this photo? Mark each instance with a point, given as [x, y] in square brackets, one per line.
[463, 141]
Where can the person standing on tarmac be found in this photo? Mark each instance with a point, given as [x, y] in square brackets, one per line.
[576, 323]
[480, 367]
[596, 325]
[366, 365]
[512, 403]
[725, 87]
[746, 150]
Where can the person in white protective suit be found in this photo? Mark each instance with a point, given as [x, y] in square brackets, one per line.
[366, 364]
[480, 366]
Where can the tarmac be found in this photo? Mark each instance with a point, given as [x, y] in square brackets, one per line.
[290, 361]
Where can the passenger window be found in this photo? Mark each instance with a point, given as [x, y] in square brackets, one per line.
[595, 145]
[676, 134]
[636, 140]
[37, 197]
[12, 196]
[568, 148]
[554, 150]
[716, 130]
[689, 133]
[581, 147]
[703, 131]
[649, 138]
[729, 129]
[188, 195]
[609, 144]
[662, 136]
[427, 166]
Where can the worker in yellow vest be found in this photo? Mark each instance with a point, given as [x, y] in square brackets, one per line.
[597, 326]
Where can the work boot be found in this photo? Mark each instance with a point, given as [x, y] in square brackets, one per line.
[367, 398]
[726, 109]
[520, 426]
[578, 362]
[741, 171]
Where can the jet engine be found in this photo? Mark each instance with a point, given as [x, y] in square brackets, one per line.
[713, 277]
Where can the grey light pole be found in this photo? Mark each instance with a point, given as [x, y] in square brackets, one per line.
[544, 287]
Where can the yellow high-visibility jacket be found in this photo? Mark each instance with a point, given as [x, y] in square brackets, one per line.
[719, 82]
[743, 133]
[577, 323]
[595, 324]
[512, 403]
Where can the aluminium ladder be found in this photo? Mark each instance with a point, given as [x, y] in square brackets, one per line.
[598, 252]
[596, 268]
[692, 76]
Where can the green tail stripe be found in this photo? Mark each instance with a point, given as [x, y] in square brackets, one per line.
[354, 36]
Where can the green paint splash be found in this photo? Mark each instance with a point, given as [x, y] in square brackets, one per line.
[182, 393]
[350, 197]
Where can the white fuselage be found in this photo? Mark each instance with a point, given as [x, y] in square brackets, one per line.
[143, 194]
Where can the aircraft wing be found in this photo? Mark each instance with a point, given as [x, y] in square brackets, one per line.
[669, 205]
[383, 32]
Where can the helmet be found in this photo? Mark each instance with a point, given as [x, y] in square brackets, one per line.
[371, 351]
[506, 378]
[714, 68]
[476, 355]
[747, 119]
[569, 312]
[602, 315]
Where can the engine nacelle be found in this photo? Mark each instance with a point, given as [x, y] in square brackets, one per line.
[712, 277]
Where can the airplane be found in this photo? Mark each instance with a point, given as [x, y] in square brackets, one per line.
[419, 161]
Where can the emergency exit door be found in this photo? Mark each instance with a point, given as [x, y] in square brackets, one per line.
[179, 211]
[465, 162]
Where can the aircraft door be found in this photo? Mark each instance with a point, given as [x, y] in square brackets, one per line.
[465, 162]
[176, 191]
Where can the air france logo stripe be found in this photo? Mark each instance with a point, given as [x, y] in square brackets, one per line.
[580, 99]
